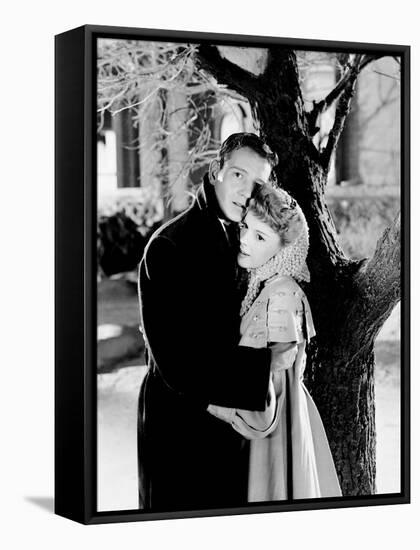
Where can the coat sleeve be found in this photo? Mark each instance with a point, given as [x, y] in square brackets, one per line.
[193, 357]
[250, 424]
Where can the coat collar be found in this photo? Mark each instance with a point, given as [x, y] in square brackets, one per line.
[207, 200]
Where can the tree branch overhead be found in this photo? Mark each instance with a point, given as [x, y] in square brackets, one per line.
[209, 59]
[343, 92]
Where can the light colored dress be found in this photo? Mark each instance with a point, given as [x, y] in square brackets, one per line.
[281, 313]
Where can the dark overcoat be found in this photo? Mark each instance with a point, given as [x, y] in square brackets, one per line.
[189, 307]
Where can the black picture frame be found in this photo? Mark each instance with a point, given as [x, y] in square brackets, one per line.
[75, 273]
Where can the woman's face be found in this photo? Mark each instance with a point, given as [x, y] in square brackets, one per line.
[258, 242]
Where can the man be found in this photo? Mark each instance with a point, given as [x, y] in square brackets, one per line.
[189, 303]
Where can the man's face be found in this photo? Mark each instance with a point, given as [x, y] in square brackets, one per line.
[234, 183]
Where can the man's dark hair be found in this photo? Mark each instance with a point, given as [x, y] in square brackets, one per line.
[246, 139]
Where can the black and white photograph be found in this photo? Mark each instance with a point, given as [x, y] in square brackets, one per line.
[209, 277]
[249, 272]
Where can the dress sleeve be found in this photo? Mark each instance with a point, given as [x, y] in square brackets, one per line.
[285, 317]
[250, 424]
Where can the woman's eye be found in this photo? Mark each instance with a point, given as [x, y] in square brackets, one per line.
[260, 238]
[238, 175]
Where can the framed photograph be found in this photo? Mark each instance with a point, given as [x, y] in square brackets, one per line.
[232, 274]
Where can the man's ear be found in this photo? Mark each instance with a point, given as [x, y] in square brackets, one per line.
[214, 169]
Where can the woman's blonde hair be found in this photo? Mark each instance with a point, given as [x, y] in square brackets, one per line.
[279, 210]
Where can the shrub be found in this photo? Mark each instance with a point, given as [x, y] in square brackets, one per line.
[126, 219]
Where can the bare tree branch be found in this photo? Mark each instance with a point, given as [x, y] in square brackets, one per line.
[381, 73]
[139, 77]
[367, 59]
[321, 106]
[345, 83]
[342, 110]
[209, 59]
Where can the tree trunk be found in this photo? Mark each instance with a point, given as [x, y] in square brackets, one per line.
[347, 314]
[341, 385]
[343, 390]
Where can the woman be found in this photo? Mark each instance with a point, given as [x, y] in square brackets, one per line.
[289, 455]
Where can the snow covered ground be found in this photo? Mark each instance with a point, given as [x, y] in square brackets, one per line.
[117, 414]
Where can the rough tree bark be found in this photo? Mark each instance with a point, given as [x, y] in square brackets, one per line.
[350, 300]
